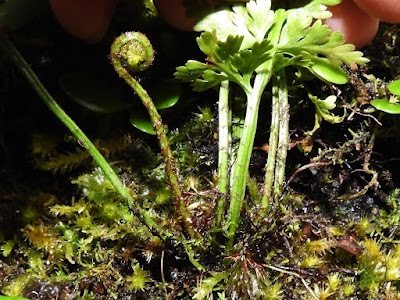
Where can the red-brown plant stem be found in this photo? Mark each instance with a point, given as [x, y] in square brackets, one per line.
[119, 50]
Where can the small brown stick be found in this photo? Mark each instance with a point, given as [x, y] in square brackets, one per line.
[361, 114]
[366, 169]
[314, 164]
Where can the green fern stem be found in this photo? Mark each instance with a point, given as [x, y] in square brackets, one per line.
[272, 148]
[283, 143]
[50, 102]
[224, 149]
[241, 166]
[278, 141]
[131, 52]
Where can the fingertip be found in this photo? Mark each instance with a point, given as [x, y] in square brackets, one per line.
[385, 10]
[87, 20]
[358, 28]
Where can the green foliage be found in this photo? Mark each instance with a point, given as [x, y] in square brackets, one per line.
[48, 158]
[264, 44]
[14, 287]
[244, 279]
[235, 58]
[50, 155]
[228, 62]
[390, 105]
[139, 279]
[89, 241]
[81, 240]
[196, 141]
[252, 22]
[391, 218]
[322, 111]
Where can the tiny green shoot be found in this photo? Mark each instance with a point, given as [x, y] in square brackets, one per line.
[391, 105]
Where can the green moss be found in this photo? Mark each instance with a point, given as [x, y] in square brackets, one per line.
[140, 278]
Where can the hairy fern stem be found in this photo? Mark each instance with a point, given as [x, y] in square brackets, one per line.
[143, 215]
[131, 52]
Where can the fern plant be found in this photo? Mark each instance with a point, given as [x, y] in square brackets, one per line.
[264, 45]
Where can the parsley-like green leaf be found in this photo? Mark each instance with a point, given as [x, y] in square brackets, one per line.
[226, 62]
[202, 76]
[317, 8]
[252, 21]
[302, 41]
[247, 60]
[299, 38]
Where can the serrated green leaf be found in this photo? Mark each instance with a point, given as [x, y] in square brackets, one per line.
[209, 80]
[248, 60]
[299, 38]
[202, 78]
[281, 61]
[191, 71]
[303, 41]
[252, 21]
[227, 62]
[231, 46]
[386, 106]
[208, 44]
[317, 9]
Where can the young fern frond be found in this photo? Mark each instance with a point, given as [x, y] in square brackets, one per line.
[131, 52]
[265, 42]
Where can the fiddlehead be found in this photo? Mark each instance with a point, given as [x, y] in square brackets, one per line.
[131, 52]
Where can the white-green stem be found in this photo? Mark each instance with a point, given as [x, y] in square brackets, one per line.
[283, 143]
[278, 141]
[241, 166]
[224, 148]
[272, 148]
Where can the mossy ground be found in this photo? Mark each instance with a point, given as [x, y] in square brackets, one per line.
[66, 234]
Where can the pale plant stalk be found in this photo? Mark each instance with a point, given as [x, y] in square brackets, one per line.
[224, 148]
[283, 143]
[278, 141]
[272, 148]
[241, 166]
